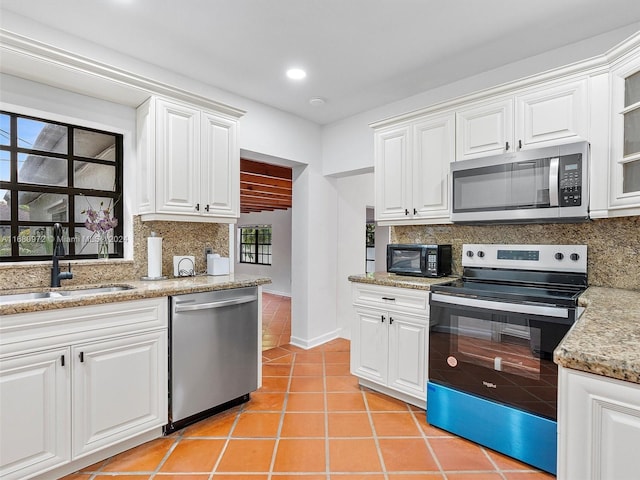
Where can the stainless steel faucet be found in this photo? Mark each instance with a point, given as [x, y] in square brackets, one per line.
[58, 252]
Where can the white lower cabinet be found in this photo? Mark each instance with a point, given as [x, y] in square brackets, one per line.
[78, 381]
[389, 341]
[598, 427]
[35, 410]
[115, 389]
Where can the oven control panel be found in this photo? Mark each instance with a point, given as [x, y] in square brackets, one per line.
[557, 258]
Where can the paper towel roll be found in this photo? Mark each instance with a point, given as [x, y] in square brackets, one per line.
[154, 256]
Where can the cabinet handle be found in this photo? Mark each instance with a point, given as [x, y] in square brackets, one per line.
[506, 146]
[82, 357]
[197, 207]
[389, 298]
[415, 212]
[519, 144]
[62, 360]
[390, 320]
[406, 212]
[382, 318]
[207, 207]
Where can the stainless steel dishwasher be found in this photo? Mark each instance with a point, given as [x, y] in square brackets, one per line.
[213, 353]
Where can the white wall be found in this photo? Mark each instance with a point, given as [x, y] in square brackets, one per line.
[355, 194]
[280, 269]
[31, 98]
[347, 145]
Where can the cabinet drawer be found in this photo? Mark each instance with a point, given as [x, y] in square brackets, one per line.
[392, 298]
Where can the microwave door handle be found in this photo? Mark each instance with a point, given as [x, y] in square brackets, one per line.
[554, 185]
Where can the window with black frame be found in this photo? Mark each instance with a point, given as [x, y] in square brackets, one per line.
[255, 244]
[52, 172]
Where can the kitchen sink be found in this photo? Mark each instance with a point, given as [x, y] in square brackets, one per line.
[29, 296]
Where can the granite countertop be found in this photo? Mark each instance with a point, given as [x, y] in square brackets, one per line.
[606, 338]
[402, 281]
[141, 289]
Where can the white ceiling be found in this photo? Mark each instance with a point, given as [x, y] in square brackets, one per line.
[359, 54]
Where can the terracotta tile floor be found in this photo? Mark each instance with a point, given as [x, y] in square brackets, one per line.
[312, 421]
[276, 320]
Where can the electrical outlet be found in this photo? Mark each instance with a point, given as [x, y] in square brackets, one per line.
[207, 251]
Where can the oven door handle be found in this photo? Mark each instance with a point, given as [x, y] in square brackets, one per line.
[557, 312]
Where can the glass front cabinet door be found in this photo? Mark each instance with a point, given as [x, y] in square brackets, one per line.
[625, 138]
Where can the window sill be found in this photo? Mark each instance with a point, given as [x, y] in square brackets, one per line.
[83, 262]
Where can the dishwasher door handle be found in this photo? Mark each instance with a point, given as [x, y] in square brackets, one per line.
[221, 303]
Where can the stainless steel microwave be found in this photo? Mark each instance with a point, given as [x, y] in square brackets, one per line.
[548, 184]
[419, 260]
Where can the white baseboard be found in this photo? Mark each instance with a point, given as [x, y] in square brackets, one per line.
[314, 342]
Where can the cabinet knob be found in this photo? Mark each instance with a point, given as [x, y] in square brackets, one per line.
[415, 212]
[81, 356]
[207, 207]
[406, 212]
[382, 318]
[197, 207]
[390, 320]
[506, 146]
[519, 144]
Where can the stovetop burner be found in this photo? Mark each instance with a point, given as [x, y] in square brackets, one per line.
[543, 274]
[510, 293]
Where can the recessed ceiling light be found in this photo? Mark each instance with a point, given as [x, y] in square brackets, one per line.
[296, 73]
[317, 101]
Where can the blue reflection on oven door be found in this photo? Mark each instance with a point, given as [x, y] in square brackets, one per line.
[518, 434]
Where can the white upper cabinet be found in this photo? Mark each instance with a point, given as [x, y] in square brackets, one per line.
[189, 163]
[625, 138]
[531, 118]
[412, 165]
[484, 130]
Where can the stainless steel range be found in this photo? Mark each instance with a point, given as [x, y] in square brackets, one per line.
[491, 373]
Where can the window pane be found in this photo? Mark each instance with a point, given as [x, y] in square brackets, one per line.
[38, 240]
[632, 132]
[98, 204]
[631, 177]
[95, 176]
[44, 136]
[42, 207]
[87, 242]
[5, 129]
[94, 145]
[632, 89]
[5, 166]
[5, 205]
[5, 239]
[41, 170]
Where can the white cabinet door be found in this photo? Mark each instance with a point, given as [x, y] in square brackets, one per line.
[434, 147]
[35, 404]
[552, 115]
[598, 427]
[369, 345]
[177, 158]
[220, 167]
[392, 173]
[625, 138]
[408, 339]
[119, 390]
[484, 130]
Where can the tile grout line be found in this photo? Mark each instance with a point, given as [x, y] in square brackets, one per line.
[325, 399]
[426, 441]
[227, 440]
[281, 422]
[375, 435]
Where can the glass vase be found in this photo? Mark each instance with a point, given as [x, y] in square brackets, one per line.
[103, 245]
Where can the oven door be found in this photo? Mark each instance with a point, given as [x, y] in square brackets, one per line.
[497, 350]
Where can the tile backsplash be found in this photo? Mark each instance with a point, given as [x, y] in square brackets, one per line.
[178, 238]
[613, 244]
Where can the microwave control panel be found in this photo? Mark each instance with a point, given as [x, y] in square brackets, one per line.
[570, 181]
